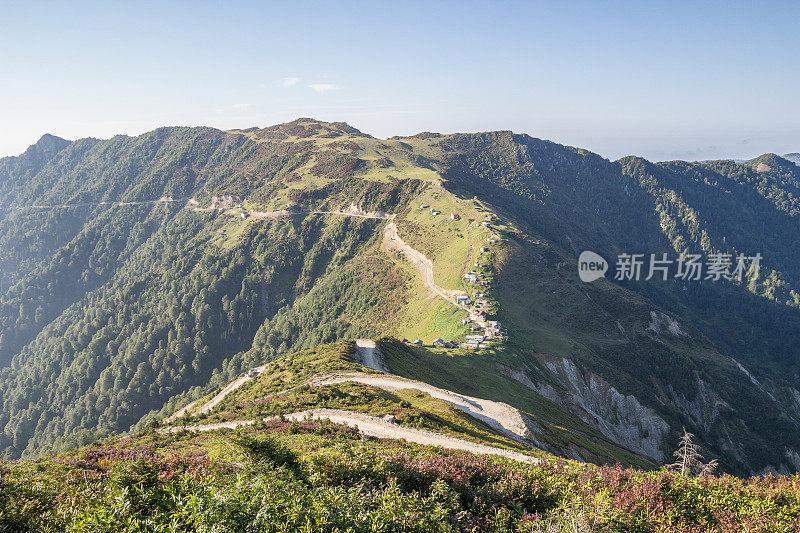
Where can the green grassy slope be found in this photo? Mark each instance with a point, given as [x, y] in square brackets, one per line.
[475, 373]
[282, 388]
[565, 200]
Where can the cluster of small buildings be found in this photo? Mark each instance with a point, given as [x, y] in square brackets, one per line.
[438, 342]
[473, 278]
[435, 212]
[483, 334]
[475, 341]
[483, 331]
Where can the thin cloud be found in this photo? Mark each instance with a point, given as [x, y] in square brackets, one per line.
[695, 154]
[323, 88]
[289, 82]
[241, 107]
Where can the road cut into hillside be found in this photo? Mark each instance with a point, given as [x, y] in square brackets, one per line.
[499, 416]
[352, 211]
[180, 412]
[392, 241]
[108, 203]
[374, 427]
[229, 388]
[370, 355]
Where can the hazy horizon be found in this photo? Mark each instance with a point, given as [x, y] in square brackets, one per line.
[679, 81]
[745, 158]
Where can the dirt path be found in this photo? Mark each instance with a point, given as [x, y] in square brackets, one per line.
[392, 241]
[500, 416]
[370, 355]
[180, 412]
[374, 427]
[352, 211]
[209, 405]
[162, 200]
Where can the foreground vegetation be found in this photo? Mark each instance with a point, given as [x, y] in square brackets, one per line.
[316, 476]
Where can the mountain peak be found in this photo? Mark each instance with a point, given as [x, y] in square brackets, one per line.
[769, 161]
[47, 146]
[304, 128]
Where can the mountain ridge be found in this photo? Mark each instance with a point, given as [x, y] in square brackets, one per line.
[236, 277]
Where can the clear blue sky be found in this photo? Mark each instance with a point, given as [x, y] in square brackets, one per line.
[689, 80]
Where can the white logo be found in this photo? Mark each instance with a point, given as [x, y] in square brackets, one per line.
[591, 266]
[735, 268]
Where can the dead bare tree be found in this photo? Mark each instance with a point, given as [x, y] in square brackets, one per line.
[689, 459]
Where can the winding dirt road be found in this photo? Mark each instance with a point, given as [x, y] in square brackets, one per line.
[500, 416]
[229, 388]
[392, 241]
[367, 349]
[352, 211]
[162, 200]
[373, 427]
[232, 386]
[180, 412]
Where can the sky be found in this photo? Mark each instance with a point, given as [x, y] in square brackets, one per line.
[664, 80]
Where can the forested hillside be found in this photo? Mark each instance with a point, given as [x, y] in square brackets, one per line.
[139, 273]
[129, 305]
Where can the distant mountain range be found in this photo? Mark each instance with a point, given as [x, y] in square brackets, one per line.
[141, 273]
[794, 157]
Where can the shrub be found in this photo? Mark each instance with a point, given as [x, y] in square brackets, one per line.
[267, 449]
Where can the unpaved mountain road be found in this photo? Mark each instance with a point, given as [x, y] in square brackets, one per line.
[392, 241]
[367, 349]
[370, 355]
[229, 388]
[162, 200]
[180, 412]
[232, 386]
[352, 211]
[500, 416]
[373, 427]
